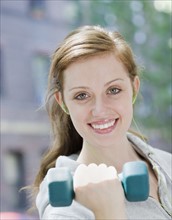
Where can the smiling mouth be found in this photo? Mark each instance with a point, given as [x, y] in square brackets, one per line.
[105, 127]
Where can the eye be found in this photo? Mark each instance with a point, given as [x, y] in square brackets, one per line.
[81, 96]
[113, 91]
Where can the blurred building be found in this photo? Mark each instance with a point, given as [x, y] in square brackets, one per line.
[30, 31]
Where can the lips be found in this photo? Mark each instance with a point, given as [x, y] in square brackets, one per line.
[104, 126]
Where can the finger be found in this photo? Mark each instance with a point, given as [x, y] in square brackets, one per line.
[93, 174]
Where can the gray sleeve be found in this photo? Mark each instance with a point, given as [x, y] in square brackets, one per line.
[73, 212]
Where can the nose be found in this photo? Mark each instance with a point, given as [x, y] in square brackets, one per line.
[99, 107]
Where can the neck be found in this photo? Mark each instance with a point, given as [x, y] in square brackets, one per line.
[116, 155]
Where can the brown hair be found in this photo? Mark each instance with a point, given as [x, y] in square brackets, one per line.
[82, 43]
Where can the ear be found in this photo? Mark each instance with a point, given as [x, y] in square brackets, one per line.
[59, 99]
[136, 87]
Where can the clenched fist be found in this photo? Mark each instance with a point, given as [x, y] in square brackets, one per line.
[99, 189]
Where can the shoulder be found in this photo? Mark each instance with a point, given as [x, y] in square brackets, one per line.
[69, 162]
[162, 155]
[164, 160]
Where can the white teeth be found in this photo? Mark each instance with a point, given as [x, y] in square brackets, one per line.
[103, 126]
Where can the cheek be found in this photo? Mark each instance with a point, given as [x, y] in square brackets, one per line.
[128, 115]
[78, 120]
[125, 110]
[124, 105]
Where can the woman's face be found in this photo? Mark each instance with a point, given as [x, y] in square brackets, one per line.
[98, 94]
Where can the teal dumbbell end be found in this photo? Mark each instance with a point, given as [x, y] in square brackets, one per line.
[60, 187]
[135, 181]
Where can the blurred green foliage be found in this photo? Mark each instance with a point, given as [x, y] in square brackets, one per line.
[148, 31]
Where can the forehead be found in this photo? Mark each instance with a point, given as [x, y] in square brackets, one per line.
[94, 71]
[100, 67]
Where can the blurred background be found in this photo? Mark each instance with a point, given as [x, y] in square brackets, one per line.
[30, 32]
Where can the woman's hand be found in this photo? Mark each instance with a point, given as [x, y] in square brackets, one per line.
[99, 189]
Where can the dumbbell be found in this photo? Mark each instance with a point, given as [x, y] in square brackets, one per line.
[134, 179]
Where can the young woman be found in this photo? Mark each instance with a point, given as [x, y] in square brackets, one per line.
[93, 84]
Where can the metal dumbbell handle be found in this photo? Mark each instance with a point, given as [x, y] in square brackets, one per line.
[134, 178]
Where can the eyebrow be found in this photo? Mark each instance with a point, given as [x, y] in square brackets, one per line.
[114, 80]
[85, 87]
